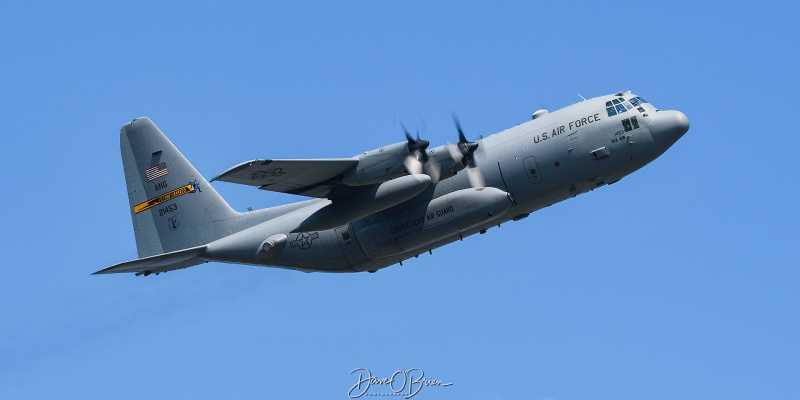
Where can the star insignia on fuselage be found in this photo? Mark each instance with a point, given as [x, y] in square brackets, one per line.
[304, 240]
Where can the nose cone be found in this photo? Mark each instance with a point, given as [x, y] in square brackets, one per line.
[667, 127]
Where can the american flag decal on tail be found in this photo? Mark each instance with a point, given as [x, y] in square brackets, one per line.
[156, 171]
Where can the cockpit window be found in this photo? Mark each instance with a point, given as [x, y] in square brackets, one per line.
[626, 124]
[620, 105]
[629, 124]
[610, 109]
[637, 102]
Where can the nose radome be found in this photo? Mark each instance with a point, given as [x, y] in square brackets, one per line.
[681, 122]
[668, 126]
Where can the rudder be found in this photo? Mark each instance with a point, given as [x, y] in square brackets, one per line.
[172, 206]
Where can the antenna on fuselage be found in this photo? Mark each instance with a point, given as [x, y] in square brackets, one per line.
[584, 99]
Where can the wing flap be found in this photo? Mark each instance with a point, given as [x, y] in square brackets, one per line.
[304, 177]
[159, 263]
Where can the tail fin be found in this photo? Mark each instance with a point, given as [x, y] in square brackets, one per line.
[172, 206]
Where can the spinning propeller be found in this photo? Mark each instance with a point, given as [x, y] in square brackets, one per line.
[463, 153]
[418, 161]
[416, 146]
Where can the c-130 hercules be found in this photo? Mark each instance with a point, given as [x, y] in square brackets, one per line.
[384, 205]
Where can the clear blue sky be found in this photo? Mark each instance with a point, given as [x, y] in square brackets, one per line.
[680, 281]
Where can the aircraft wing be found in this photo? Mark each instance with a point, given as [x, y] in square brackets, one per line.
[314, 177]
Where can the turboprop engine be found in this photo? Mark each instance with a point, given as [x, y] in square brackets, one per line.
[412, 157]
[383, 164]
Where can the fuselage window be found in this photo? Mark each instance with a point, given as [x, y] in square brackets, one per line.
[642, 100]
[620, 108]
[635, 123]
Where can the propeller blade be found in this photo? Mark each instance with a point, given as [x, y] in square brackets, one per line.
[413, 166]
[464, 146]
[411, 140]
[455, 152]
[423, 127]
[461, 137]
[475, 176]
[433, 169]
[415, 145]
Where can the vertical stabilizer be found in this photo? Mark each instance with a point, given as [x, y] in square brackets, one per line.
[172, 206]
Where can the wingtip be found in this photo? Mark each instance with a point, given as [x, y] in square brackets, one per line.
[102, 271]
[240, 167]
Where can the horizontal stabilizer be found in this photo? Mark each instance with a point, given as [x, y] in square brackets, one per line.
[159, 263]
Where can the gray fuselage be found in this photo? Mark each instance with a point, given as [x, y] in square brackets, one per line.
[533, 165]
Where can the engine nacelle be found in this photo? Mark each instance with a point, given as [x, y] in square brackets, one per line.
[379, 165]
[442, 159]
[389, 162]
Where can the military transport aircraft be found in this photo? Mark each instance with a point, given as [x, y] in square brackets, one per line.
[385, 205]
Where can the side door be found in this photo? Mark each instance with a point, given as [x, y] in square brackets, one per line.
[532, 169]
[348, 242]
[519, 168]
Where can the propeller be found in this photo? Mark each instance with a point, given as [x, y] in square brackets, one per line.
[416, 145]
[418, 162]
[430, 166]
[463, 152]
[417, 154]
